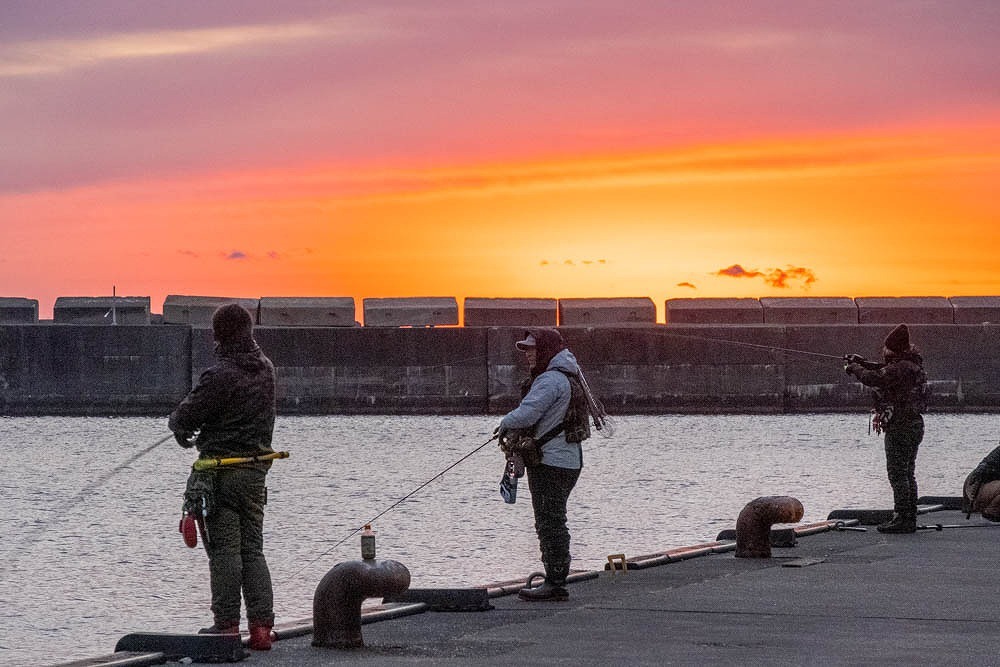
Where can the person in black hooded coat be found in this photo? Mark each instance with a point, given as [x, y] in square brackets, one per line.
[900, 399]
[232, 410]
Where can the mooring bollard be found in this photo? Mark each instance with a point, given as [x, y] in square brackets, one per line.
[753, 527]
[337, 600]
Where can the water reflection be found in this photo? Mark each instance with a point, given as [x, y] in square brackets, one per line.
[90, 557]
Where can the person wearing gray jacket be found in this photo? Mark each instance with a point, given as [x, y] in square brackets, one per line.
[554, 384]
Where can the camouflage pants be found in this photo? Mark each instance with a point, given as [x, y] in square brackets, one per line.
[236, 549]
[901, 443]
[550, 488]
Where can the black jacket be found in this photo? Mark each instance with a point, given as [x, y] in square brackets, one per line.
[232, 407]
[900, 384]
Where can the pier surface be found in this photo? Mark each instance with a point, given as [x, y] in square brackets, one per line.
[838, 597]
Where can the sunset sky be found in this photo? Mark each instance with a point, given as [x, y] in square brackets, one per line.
[485, 149]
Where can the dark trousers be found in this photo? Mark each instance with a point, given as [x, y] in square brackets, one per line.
[550, 488]
[236, 550]
[901, 443]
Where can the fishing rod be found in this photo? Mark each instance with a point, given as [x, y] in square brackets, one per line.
[757, 345]
[91, 488]
[941, 526]
[108, 475]
[394, 505]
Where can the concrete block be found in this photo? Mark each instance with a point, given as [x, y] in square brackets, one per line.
[279, 311]
[101, 310]
[976, 309]
[704, 310]
[198, 310]
[418, 311]
[17, 310]
[809, 310]
[905, 309]
[480, 312]
[628, 311]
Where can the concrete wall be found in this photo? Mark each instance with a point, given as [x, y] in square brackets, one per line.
[325, 370]
[67, 369]
[88, 370]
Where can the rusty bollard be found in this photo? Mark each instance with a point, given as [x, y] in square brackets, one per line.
[753, 527]
[337, 600]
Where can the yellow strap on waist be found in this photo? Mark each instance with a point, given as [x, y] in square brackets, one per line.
[205, 464]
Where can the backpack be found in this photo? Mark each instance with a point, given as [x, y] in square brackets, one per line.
[576, 423]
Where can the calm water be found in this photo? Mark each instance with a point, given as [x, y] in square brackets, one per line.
[92, 553]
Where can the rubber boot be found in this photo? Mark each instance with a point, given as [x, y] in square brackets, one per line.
[899, 524]
[553, 589]
[260, 635]
[222, 628]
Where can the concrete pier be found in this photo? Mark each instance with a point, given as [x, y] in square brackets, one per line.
[842, 594]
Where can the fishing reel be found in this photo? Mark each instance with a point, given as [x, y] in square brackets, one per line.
[518, 442]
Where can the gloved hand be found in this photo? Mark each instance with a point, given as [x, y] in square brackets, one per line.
[853, 369]
[970, 490]
[184, 439]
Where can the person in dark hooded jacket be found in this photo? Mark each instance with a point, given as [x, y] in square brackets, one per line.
[543, 411]
[981, 491]
[900, 399]
[230, 413]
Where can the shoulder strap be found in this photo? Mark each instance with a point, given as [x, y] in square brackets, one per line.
[551, 433]
[561, 426]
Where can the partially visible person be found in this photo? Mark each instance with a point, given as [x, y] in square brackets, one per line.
[981, 491]
[900, 394]
[230, 413]
[554, 412]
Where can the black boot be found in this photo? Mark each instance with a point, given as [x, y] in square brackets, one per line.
[552, 589]
[222, 628]
[900, 523]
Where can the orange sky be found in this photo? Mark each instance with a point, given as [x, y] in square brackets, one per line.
[868, 189]
[894, 214]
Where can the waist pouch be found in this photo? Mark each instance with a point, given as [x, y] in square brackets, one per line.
[199, 495]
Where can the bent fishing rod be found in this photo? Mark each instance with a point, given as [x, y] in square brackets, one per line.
[395, 504]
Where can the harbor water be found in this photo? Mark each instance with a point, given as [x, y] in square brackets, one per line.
[91, 548]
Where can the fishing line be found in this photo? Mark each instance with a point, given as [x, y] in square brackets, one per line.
[392, 506]
[764, 347]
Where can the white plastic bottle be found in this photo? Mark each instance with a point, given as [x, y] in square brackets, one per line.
[368, 543]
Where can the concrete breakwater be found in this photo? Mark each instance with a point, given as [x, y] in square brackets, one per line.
[49, 369]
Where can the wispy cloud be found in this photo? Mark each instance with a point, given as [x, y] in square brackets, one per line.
[686, 284]
[237, 255]
[575, 262]
[773, 277]
[805, 158]
[59, 55]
